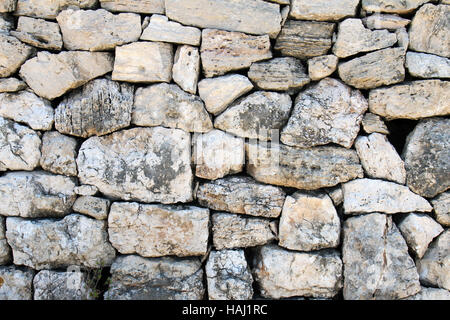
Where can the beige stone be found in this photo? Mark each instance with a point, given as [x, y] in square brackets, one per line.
[11, 85]
[441, 205]
[373, 123]
[322, 66]
[323, 10]
[8, 5]
[186, 68]
[138, 6]
[385, 21]
[392, 6]
[13, 54]
[38, 33]
[431, 294]
[49, 9]
[85, 190]
[59, 153]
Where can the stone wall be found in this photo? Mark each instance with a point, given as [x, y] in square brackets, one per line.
[224, 149]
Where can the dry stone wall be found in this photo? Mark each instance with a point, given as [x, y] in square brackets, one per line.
[224, 149]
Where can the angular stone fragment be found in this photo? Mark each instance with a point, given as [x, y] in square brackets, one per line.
[424, 65]
[323, 10]
[281, 273]
[8, 5]
[241, 195]
[218, 93]
[370, 195]
[279, 74]
[336, 195]
[52, 75]
[16, 283]
[59, 153]
[5, 251]
[95, 207]
[39, 33]
[434, 267]
[143, 62]
[36, 194]
[19, 147]
[306, 169]
[167, 278]
[13, 54]
[238, 231]
[430, 30]
[328, 112]
[419, 230]
[169, 106]
[305, 39]
[309, 222]
[431, 294]
[426, 154]
[354, 38]
[402, 38]
[157, 230]
[98, 30]
[249, 16]
[321, 67]
[99, 107]
[11, 85]
[392, 6]
[377, 265]
[161, 29]
[141, 164]
[259, 115]
[373, 123]
[228, 276]
[61, 285]
[138, 6]
[374, 69]
[49, 9]
[6, 23]
[441, 205]
[223, 51]
[385, 21]
[380, 159]
[186, 68]
[217, 154]
[86, 190]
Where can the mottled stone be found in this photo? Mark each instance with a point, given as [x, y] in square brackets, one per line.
[402, 38]
[322, 66]
[86, 190]
[167, 278]
[323, 10]
[373, 123]
[138, 6]
[281, 273]
[13, 54]
[16, 283]
[441, 205]
[38, 33]
[49, 9]
[8, 5]
[228, 276]
[392, 6]
[48, 243]
[94, 207]
[431, 294]
[377, 265]
[328, 112]
[62, 285]
[223, 51]
[141, 164]
[11, 85]
[6, 23]
[385, 21]
[5, 251]
[186, 68]
[59, 153]
[241, 195]
[370, 195]
[424, 65]
[336, 195]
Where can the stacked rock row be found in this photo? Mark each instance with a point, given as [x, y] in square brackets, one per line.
[141, 138]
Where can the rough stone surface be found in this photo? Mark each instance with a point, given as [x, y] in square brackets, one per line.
[228, 276]
[59, 153]
[95, 207]
[321, 67]
[61, 285]
[6, 23]
[5, 251]
[392, 6]
[306, 169]
[309, 222]
[223, 51]
[441, 205]
[35, 194]
[38, 33]
[167, 278]
[47, 243]
[52, 75]
[371, 195]
[238, 231]
[142, 164]
[426, 155]
[157, 230]
[8, 5]
[11, 85]
[16, 283]
[99, 107]
[256, 116]
[138, 6]
[385, 21]
[86, 190]
[424, 65]
[328, 112]
[336, 195]
[186, 68]
[377, 265]
[281, 273]
[167, 105]
[431, 294]
[49, 9]
[13, 54]
[279, 74]
[373, 123]
[241, 195]
[323, 10]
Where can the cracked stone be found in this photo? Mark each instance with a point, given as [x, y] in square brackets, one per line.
[13, 54]
[61, 285]
[38, 33]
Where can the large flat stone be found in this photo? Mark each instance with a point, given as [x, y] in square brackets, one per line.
[392, 6]
[39, 33]
[323, 10]
[49, 9]
[137, 6]
[423, 65]
[13, 54]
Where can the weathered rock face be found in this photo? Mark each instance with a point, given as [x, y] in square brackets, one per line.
[5, 251]
[392, 6]
[241, 195]
[306, 169]
[385, 21]
[35, 194]
[156, 230]
[323, 10]
[373, 123]
[11, 85]
[46, 243]
[238, 231]
[13, 54]
[95, 207]
[59, 154]
[186, 68]
[52, 75]
[426, 155]
[281, 273]
[249, 16]
[431, 294]
[441, 205]
[86, 190]
[142, 164]
[228, 276]
[370, 195]
[309, 222]
[329, 112]
[256, 116]
[321, 67]
[49, 9]
[167, 105]
[141, 6]
[424, 65]
[6, 23]
[16, 283]
[8, 5]
[137, 278]
[376, 261]
[38, 33]
[223, 51]
[60, 285]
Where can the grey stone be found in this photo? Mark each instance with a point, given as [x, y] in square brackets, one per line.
[38, 33]
[95, 207]
[441, 205]
[61, 285]
[323, 10]
[139, 6]
[6, 23]
[59, 153]
[5, 250]
[431, 294]
[11, 85]
[16, 283]
[424, 65]
[13, 54]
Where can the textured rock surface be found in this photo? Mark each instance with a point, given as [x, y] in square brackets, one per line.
[86, 190]
[376, 261]
[11, 85]
[46, 243]
[323, 10]
[16, 283]
[13, 54]
[241, 195]
[49, 9]
[281, 273]
[95, 207]
[373, 123]
[59, 153]
[8, 5]
[39, 33]
[6, 23]
[60, 285]
[385, 21]
[392, 6]
[142, 164]
[431, 294]
[186, 68]
[141, 6]
[424, 65]
[5, 251]
[321, 67]
[328, 112]
[441, 205]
